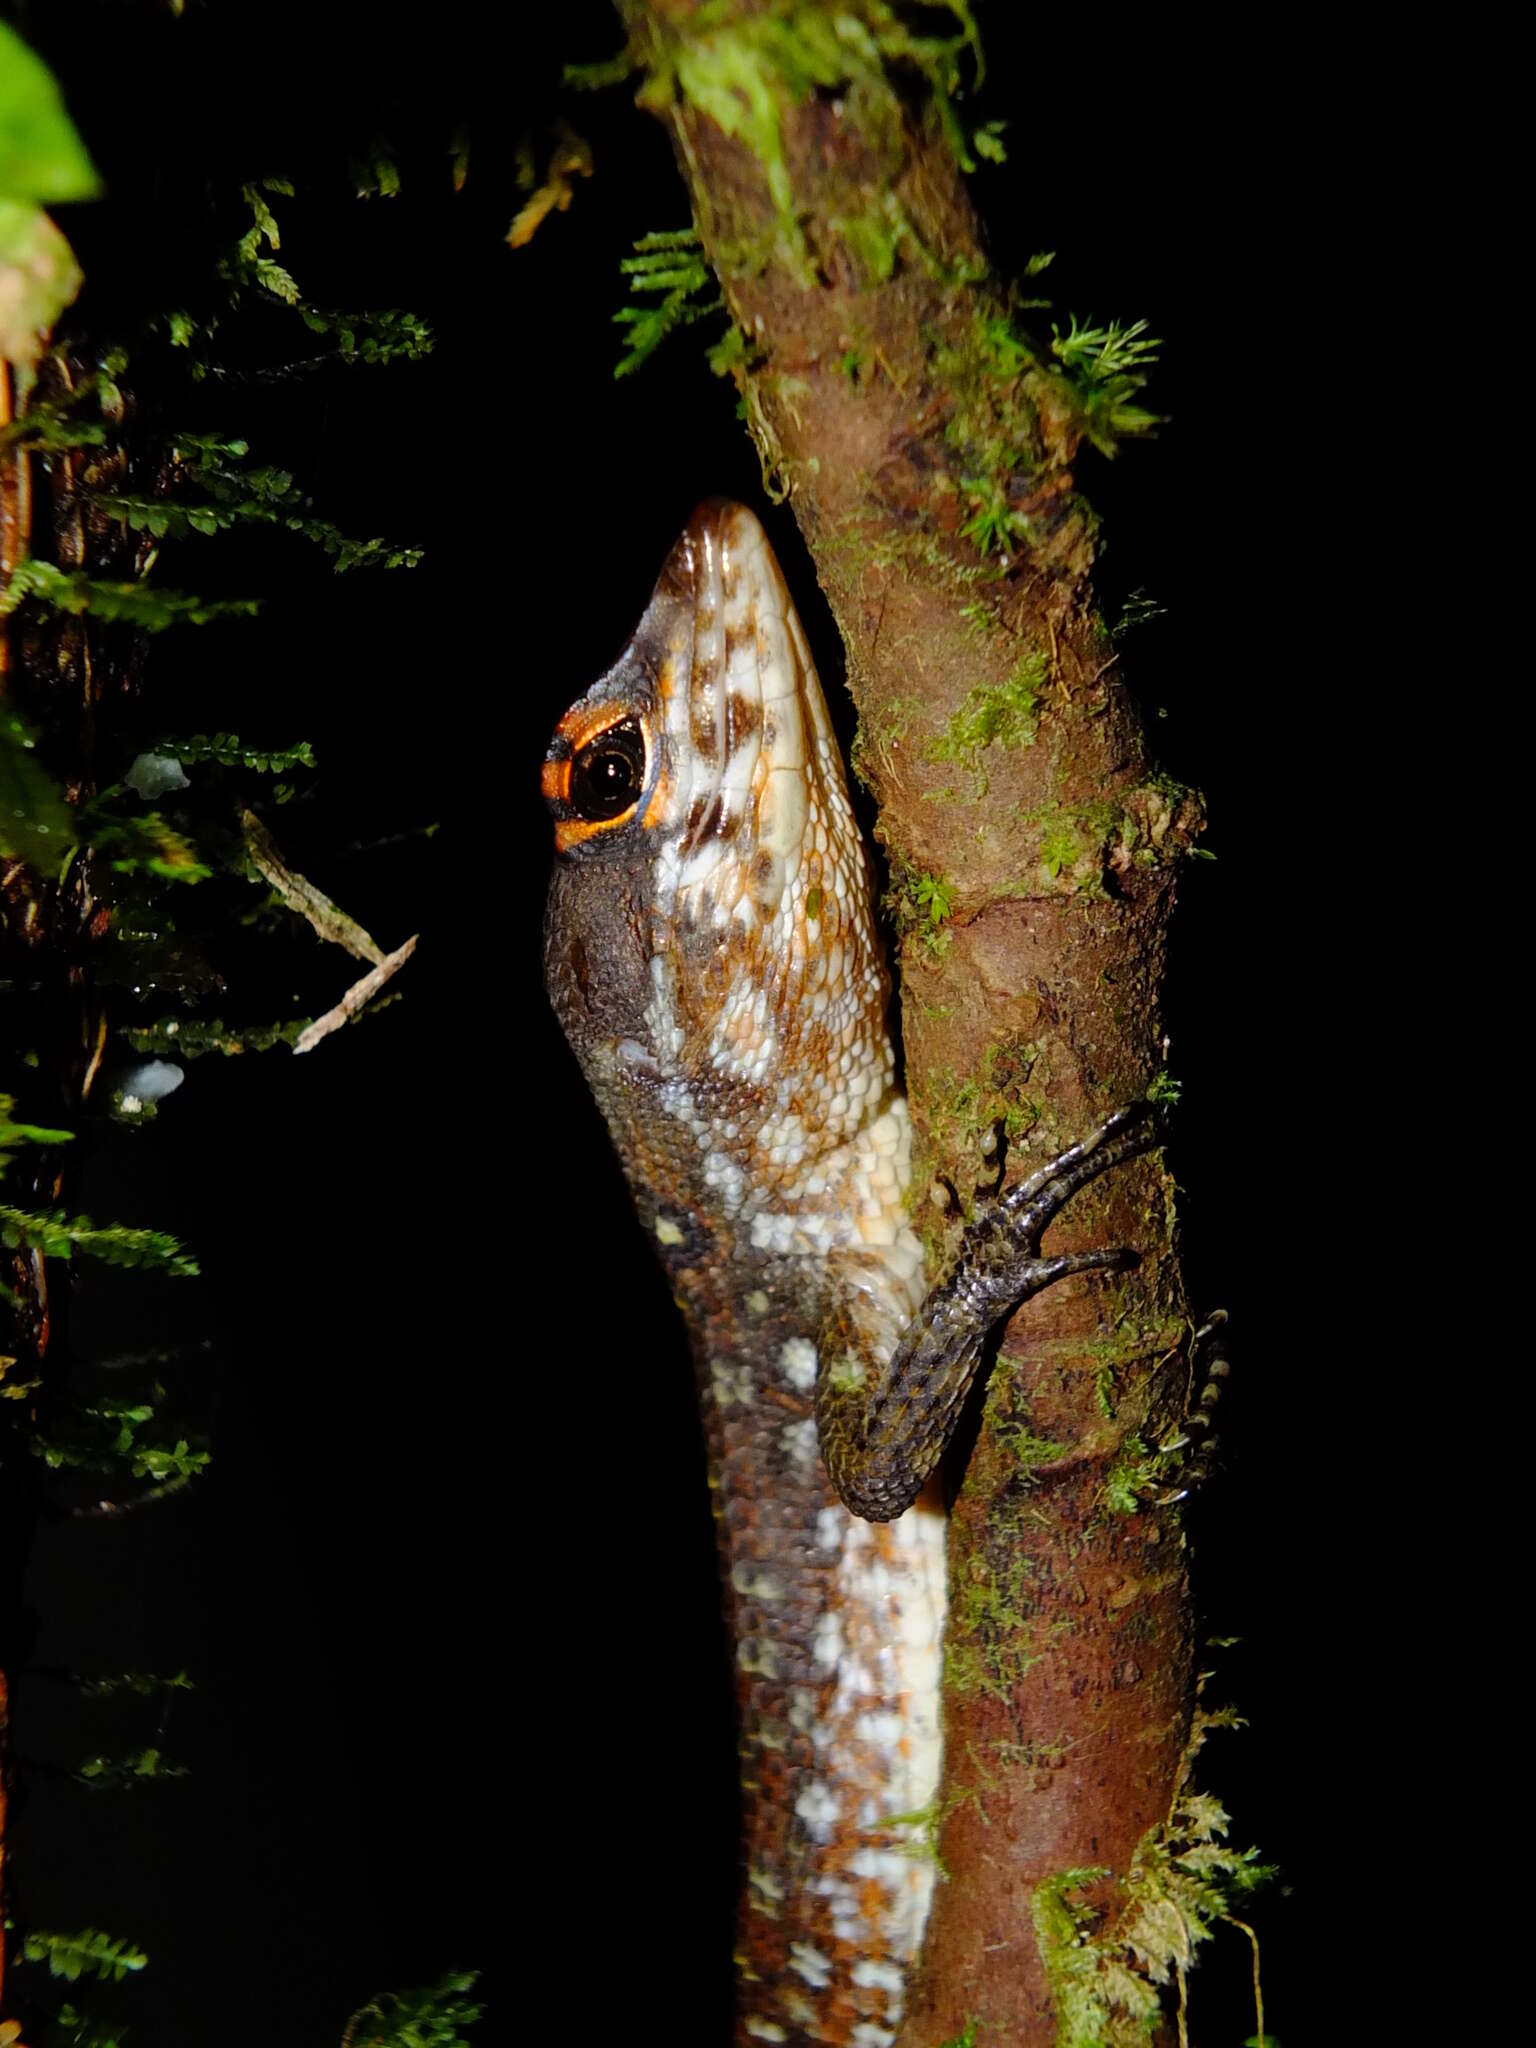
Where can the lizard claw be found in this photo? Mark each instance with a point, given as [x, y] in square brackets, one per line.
[1004, 1249]
[1195, 1434]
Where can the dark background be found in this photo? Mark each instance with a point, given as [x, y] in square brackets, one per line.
[448, 1588]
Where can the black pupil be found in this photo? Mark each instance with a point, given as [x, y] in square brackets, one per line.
[607, 775]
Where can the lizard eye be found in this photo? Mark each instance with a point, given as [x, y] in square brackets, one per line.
[608, 775]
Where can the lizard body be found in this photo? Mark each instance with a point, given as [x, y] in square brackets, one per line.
[711, 953]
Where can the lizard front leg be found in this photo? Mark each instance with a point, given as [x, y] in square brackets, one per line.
[882, 1431]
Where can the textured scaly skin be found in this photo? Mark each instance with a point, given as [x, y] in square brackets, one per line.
[711, 953]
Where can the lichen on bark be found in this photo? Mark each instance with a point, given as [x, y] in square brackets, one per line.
[926, 443]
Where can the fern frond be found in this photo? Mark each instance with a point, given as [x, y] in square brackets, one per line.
[671, 263]
[88, 1953]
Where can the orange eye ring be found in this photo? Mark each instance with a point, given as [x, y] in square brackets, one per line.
[597, 775]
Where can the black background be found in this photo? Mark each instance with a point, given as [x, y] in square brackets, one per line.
[449, 1585]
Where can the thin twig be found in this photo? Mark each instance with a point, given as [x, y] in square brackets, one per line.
[355, 998]
[301, 895]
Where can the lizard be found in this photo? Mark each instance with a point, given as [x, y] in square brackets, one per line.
[711, 953]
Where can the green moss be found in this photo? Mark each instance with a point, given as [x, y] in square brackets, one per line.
[1080, 846]
[1030, 1756]
[1005, 1068]
[1031, 1451]
[744, 69]
[873, 237]
[1100, 2002]
[1105, 367]
[989, 1646]
[1182, 1881]
[922, 1844]
[992, 521]
[1006, 714]
[887, 726]
[963, 1107]
[1154, 823]
[1061, 847]
[1104, 1387]
[1139, 1470]
[921, 549]
[957, 1115]
[730, 353]
[848, 1373]
[1127, 1344]
[920, 905]
[981, 618]
[994, 431]
[1018, 410]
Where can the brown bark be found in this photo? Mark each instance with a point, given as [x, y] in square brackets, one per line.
[874, 399]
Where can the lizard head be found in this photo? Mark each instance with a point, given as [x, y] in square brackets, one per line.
[709, 943]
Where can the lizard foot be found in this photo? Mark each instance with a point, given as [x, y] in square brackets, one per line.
[1210, 1365]
[1000, 1253]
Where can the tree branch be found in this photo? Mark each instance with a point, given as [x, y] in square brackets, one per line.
[926, 443]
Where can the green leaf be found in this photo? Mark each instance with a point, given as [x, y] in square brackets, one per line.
[59, 1236]
[13, 1133]
[229, 751]
[190, 1037]
[595, 77]
[122, 1773]
[144, 1683]
[151, 847]
[376, 175]
[50, 428]
[1104, 368]
[89, 1953]
[429, 2018]
[38, 278]
[135, 604]
[36, 824]
[670, 263]
[167, 1461]
[41, 154]
[74, 2029]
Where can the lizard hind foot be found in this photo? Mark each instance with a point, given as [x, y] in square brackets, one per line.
[1210, 1366]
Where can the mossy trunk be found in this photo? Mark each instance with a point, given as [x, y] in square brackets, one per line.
[927, 450]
